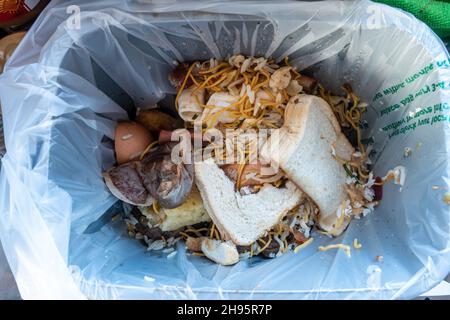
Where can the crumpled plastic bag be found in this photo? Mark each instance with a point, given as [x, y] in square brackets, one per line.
[87, 64]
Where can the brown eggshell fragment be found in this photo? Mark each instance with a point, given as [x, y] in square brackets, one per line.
[131, 139]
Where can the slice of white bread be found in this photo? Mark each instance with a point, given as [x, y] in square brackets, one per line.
[242, 219]
[304, 149]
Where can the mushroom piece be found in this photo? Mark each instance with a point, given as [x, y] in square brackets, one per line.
[125, 184]
[294, 88]
[260, 95]
[169, 183]
[280, 79]
[189, 108]
[236, 60]
[224, 253]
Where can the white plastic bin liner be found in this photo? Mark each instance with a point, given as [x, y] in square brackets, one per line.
[65, 88]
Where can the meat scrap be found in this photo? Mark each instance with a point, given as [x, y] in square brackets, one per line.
[177, 76]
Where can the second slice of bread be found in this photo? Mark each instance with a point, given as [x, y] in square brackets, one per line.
[305, 148]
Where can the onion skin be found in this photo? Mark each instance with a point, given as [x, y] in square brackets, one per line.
[154, 177]
[167, 182]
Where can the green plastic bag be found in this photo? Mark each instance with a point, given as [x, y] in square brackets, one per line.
[436, 14]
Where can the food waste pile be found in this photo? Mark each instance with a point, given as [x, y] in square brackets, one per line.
[257, 159]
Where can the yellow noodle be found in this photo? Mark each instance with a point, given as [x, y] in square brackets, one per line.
[184, 83]
[214, 69]
[150, 146]
[266, 245]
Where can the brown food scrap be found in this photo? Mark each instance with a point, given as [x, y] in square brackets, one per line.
[176, 77]
[299, 237]
[243, 249]
[378, 189]
[231, 171]
[271, 249]
[308, 83]
[155, 121]
[194, 244]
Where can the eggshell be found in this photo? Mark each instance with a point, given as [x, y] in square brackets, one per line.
[131, 139]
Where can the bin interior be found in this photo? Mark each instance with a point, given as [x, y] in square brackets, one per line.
[127, 62]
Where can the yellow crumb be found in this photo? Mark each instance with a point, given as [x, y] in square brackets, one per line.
[303, 245]
[446, 198]
[357, 244]
[342, 246]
